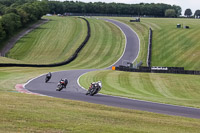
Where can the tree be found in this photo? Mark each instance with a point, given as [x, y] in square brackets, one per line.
[178, 10]
[23, 15]
[170, 13]
[10, 23]
[2, 32]
[197, 14]
[188, 12]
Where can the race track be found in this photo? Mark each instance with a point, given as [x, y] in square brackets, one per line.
[75, 92]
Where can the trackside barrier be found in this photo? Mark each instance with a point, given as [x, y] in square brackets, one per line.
[149, 48]
[175, 70]
[70, 59]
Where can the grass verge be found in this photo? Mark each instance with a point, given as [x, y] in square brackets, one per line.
[30, 113]
[163, 88]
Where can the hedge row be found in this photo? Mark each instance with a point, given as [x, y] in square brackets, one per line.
[54, 64]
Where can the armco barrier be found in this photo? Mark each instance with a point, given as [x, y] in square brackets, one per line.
[149, 48]
[70, 59]
[174, 70]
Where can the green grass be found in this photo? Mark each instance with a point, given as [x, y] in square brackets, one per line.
[29, 113]
[52, 42]
[171, 46]
[106, 41]
[105, 46]
[164, 88]
[176, 47]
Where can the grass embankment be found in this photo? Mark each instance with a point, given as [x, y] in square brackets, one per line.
[105, 46]
[171, 46]
[163, 88]
[52, 42]
[176, 47]
[58, 39]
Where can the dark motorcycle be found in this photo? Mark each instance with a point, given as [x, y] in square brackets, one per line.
[62, 84]
[94, 89]
[48, 77]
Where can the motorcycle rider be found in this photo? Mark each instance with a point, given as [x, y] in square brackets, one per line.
[48, 76]
[98, 86]
[64, 82]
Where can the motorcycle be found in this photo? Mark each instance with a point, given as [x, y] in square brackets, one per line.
[94, 89]
[48, 77]
[62, 84]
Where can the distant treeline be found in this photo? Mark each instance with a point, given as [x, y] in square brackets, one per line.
[15, 14]
[154, 10]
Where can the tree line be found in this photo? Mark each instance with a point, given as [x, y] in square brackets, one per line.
[154, 10]
[17, 14]
[188, 13]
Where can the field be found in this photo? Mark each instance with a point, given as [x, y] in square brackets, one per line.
[171, 46]
[52, 42]
[26, 113]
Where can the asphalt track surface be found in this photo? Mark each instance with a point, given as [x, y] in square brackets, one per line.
[75, 92]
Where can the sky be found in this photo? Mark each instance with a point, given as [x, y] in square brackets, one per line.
[184, 4]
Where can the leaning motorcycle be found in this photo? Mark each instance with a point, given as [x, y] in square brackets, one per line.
[93, 89]
[47, 79]
[61, 85]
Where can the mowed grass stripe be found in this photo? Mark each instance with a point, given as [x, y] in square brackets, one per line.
[53, 42]
[172, 49]
[165, 88]
[93, 46]
[104, 47]
[170, 44]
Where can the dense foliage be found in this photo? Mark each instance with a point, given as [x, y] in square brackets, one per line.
[197, 13]
[16, 14]
[155, 10]
[188, 12]
[170, 13]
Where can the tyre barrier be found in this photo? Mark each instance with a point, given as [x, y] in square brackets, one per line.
[69, 60]
[173, 70]
[149, 48]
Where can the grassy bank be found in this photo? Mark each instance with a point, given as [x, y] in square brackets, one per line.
[176, 47]
[52, 42]
[105, 46]
[164, 88]
[171, 46]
